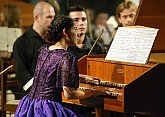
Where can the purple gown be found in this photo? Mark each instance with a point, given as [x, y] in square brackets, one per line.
[55, 69]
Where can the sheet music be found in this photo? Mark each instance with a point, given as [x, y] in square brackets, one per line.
[3, 38]
[132, 44]
[28, 84]
[8, 37]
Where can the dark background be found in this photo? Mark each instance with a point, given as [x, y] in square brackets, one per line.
[98, 5]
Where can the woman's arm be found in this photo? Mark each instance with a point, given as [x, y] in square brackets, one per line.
[72, 93]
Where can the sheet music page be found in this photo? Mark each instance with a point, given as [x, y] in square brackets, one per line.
[8, 37]
[3, 38]
[13, 34]
[132, 44]
[28, 84]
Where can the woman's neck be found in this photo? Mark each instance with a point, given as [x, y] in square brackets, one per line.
[59, 45]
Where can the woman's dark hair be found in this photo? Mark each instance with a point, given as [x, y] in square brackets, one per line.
[55, 30]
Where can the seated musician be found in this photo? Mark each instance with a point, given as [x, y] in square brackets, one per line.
[83, 45]
[125, 14]
[83, 42]
[56, 72]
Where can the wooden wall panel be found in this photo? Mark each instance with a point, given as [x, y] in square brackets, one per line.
[151, 14]
[26, 11]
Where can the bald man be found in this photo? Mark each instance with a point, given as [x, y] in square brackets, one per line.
[25, 50]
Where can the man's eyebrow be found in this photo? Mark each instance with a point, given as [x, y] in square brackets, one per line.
[84, 17]
[125, 15]
[76, 18]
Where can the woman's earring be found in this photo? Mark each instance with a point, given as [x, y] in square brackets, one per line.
[67, 38]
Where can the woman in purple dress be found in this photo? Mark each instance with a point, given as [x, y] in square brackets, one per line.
[56, 72]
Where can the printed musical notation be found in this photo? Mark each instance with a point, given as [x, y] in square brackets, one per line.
[132, 44]
[8, 37]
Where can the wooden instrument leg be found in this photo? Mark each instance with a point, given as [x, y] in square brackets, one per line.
[102, 113]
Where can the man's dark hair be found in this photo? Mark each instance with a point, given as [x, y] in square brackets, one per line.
[74, 8]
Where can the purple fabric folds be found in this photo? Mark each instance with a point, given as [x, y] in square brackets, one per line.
[42, 108]
[54, 69]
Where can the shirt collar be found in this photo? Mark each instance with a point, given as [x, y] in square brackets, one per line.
[87, 42]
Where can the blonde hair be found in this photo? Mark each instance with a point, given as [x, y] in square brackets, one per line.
[125, 5]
